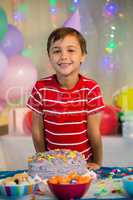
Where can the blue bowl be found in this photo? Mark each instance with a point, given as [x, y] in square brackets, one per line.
[128, 184]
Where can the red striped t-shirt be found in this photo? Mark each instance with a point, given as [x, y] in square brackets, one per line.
[65, 112]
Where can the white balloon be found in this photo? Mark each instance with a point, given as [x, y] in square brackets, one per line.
[19, 79]
[3, 64]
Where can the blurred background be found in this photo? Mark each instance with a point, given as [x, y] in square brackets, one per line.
[24, 28]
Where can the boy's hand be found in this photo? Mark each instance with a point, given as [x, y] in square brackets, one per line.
[92, 166]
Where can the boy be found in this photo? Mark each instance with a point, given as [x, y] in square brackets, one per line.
[66, 106]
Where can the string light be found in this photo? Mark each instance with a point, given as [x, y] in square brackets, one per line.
[53, 11]
[74, 5]
[76, 1]
[111, 8]
[111, 14]
[53, 3]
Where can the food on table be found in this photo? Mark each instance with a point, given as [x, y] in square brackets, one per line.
[72, 178]
[18, 179]
[58, 162]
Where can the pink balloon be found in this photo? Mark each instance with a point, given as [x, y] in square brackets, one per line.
[74, 21]
[19, 79]
[2, 105]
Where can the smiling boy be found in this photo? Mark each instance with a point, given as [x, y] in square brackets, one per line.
[67, 106]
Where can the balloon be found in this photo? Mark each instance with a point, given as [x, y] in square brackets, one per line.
[2, 105]
[124, 99]
[13, 42]
[19, 79]
[3, 64]
[109, 122]
[27, 123]
[3, 23]
[74, 21]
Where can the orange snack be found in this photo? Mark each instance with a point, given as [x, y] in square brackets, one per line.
[53, 180]
[63, 180]
[72, 175]
[84, 179]
[69, 178]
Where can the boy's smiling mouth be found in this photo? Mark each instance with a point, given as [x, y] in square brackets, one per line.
[63, 65]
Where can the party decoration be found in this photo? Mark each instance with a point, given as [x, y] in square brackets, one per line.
[76, 1]
[53, 7]
[53, 12]
[19, 79]
[21, 12]
[2, 105]
[3, 23]
[53, 2]
[112, 35]
[13, 42]
[28, 52]
[27, 123]
[74, 21]
[3, 64]
[111, 8]
[19, 16]
[74, 5]
[124, 98]
[109, 122]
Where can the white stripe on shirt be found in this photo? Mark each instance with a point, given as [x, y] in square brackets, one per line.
[85, 150]
[73, 112]
[33, 109]
[55, 90]
[56, 112]
[65, 102]
[51, 122]
[98, 97]
[36, 99]
[69, 144]
[37, 92]
[94, 109]
[86, 158]
[93, 89]
[60, 134]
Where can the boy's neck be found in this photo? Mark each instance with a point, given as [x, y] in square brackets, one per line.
[68, 82]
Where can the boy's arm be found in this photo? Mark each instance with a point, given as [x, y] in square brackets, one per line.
[37, 132]
[93, 124]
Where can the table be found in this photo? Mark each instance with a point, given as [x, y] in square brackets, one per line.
[14, 151]
[108, 185]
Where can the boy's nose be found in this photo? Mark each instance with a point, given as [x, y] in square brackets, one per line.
[63, 54]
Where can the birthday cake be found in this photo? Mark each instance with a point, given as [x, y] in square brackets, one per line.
[58, 162]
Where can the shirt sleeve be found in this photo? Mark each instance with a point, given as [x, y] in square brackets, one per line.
[35, 100]
[95, 102]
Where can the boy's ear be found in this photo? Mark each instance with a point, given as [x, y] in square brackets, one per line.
[83, 58]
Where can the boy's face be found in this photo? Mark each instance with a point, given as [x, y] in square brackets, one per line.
[66, 56]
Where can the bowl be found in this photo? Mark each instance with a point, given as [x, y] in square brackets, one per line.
[17, 190]
[68, 191]
[128, 184]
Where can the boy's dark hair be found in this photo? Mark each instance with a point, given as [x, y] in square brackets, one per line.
[61, 33]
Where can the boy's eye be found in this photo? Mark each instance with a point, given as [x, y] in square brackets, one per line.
[71, 50]
[56, 51]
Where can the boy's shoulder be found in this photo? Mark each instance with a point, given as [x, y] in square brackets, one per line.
[45, 79]
[88, 81]
[44, 82]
